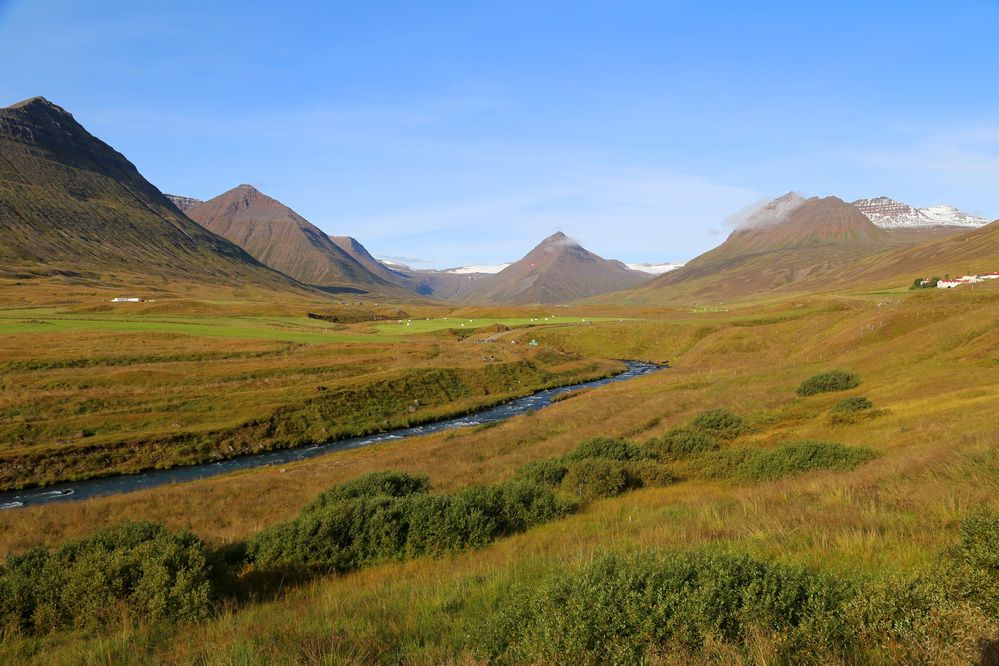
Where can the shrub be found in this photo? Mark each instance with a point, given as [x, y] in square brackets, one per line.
[350, 532]
[387, 483]
[605, 447]
[852, 405]
[974, 568]
[594, 478]
[825, 382]
[795, 458]
[851, 410]
[719, 423]
[626, 609]
[135, 571]
[680, 443]
[548, 472]
[650, 474]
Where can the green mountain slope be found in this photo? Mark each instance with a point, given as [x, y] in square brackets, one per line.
[71, 205]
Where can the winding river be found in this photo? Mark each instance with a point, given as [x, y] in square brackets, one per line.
[114, 485]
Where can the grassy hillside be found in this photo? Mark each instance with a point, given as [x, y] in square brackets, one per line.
[74, 209]
[895, 529]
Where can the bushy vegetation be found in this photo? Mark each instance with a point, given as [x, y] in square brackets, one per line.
[594, 478]
[610, 449]
[710, 605]
[599, 467]
[138, 571]
[825, 382]
[852, 405]
[358, 525]
[622, 609]
[681, 443]
[851, 410]
[719, 423]
[752, 464]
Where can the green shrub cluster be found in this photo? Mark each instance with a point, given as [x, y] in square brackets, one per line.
[852, 410]
[852, 405]
[974, 562]
[132, 572]
[599, 467]
[750, 464]
[681, 443]
[358, 523]
[825, 382]
[626, 609]
[719, 423]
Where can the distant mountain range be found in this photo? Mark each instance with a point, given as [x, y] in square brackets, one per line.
[73, 208]
[71, 205]
[890, 214]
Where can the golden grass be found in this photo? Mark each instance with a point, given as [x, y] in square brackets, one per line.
[929, 361]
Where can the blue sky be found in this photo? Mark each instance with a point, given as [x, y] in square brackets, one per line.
[452, 133]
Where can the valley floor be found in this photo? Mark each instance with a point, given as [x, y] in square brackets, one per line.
[928, 361]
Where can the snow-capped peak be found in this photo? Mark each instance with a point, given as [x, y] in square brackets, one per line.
[890, 214]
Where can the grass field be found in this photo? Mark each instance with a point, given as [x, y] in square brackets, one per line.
[85, 394]
[928, 362]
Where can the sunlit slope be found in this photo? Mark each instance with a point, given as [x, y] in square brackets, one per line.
[284, 240]
[819, 245]
[71, 206]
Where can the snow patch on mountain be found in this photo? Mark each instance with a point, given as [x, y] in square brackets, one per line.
[654, 269]
[477, 268]
[890, 214]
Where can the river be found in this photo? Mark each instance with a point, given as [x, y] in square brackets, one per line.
[127, 483]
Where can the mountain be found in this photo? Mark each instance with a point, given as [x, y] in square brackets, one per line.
[890, 214]
[182, 203]
[972, 252]
[284, 240]
[72, 206]
[402, 276]
[556, 271]
[786, 244]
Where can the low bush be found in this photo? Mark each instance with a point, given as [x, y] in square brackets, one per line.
[852, 405]
[138, 571]
[680, 443]
[719, 423]
[973, 570]
[547, 472]
[346, 533]
[825, 382]
[386, 483]
[750, 464]
[594, 478]
[610, 449]
[629, 609]
[852, 410]
[651, 474]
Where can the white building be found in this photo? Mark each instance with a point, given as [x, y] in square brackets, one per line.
[127, 299]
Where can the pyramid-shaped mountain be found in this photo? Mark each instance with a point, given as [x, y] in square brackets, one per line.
[284, 240]
[71, 205]
[558, 270]
[786, 244]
